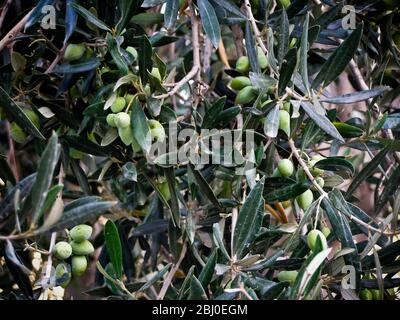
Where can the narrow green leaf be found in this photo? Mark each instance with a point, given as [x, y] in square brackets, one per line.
[283, 43]
[140, 127]
[287, 193]
[251, 49]
[145, 52]
[90, 17]
[287, 69]
[356, 96]
[303, 53]
[212, 113]
[114, 249]
[210, 22]
[246, 225]
[116, 54]
[84, 66]
[207, 272]
[171, 13]
[335, 164]
[338, 60]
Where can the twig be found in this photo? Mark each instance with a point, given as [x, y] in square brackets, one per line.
[14, 31]
[196, 60]
[56, 60]
[257, 32]
[171, 275]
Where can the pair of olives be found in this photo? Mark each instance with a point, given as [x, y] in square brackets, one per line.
[247, 93]
[77, 249]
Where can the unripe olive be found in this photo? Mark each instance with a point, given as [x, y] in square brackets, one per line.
[240, 82]
[128, 98]
[111, 120]
[285, 167]
[286, 106]
[312, 239]
[376, 294]
[314, 159]
[305, 199]
[246, 95]
[79, 265]
[284, 121]
[126, 135]
[17, 133]
[366, 295]
[81, 232]
[122, 120]
[320, 181]
[62, 250]
[289, 276]
[118, 105]
[157, 130]
[164, 189]
[155, 72]
[82, 248]
[74, 51]
[63, 274]
[133, 52]
[243, 64]
[147, 89]
[326, 231]
[262, 59]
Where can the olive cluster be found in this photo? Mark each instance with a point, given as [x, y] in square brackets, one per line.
[76, 251]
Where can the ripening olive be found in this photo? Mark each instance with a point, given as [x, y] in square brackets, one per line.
[62, 250]
[82, 248]
[284, 121]
[285, 167]
[74, 51]
[262, 59]
[289, 276]
[111, 120]
[157, 130]
[305, 199]
[122, 120]
[79, 265]
[240, 82]
[126, 135]
[63, 274]
[81, 232]
[312, 239]
[366, 295]
[243, 64]
[246, 95]
[118, 105]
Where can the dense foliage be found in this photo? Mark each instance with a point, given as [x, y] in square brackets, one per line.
[89, 207]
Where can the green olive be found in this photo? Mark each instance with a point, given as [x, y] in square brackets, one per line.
[111, 120]
[164, 189]
[74, 51]
[240, 82]
[126, 135]
[82, 248]
[118, 105]
[157, 130]
[366, 295]
[62, 250]
[81, 232]
[262, 59]
[315, 171]
[79, 265]
[128, 98]
[284, 121]
[312, 239]
[284, 3]
[326, 231]
[63, 274]
[243, 64]
[305, 199]
[320, 181]
[286, 106]
[17, 133]
[122, 120]
[376, 294]
[285, 167]
[246, 95]
[288, 276]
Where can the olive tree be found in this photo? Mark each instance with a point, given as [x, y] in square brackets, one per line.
[199, 149]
